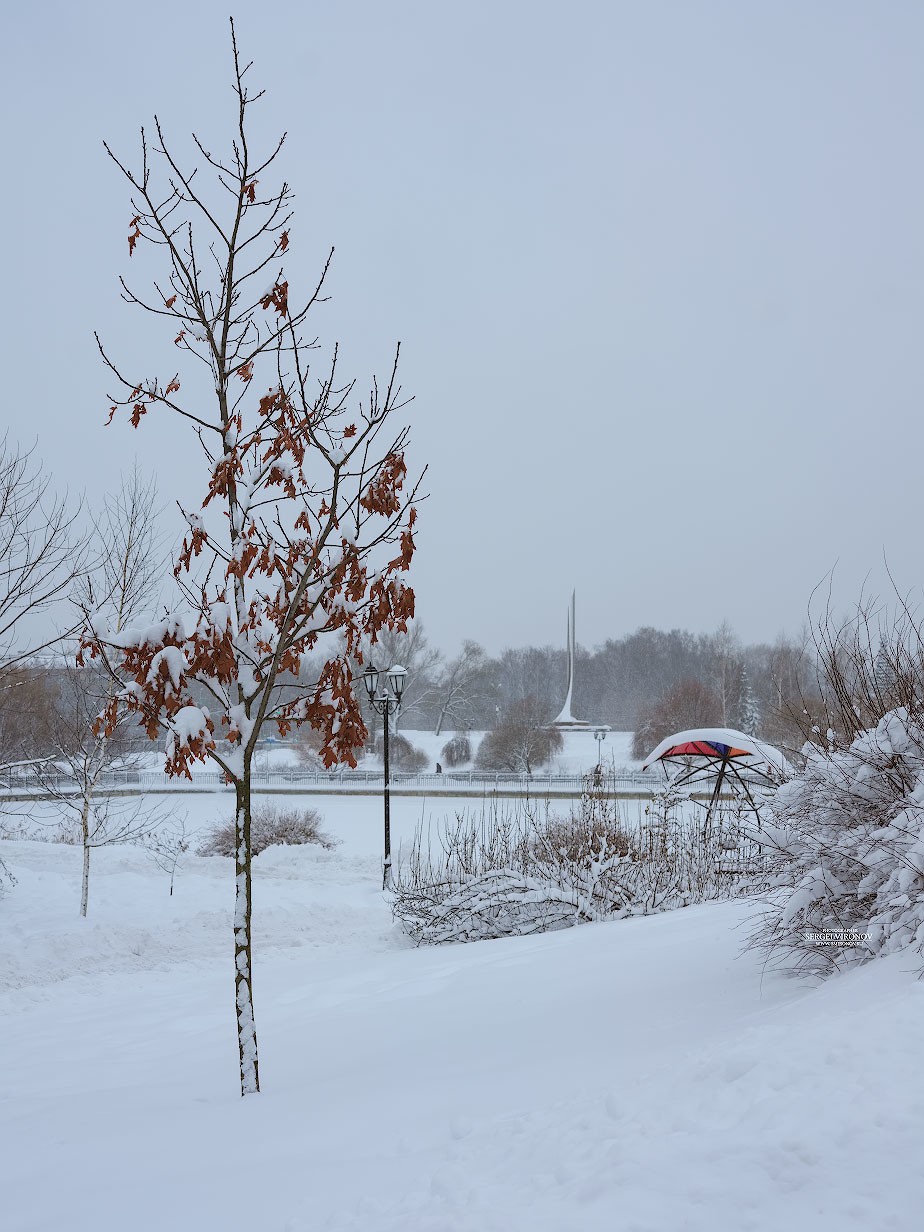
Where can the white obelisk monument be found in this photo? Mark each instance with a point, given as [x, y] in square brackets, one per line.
[566, 720]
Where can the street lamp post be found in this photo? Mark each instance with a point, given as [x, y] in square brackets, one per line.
[384, 691]
[600, 736]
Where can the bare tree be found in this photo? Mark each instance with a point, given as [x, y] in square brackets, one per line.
[793, 694]
[865, 664]
[688, 704]
[410, 649]
[82, 759]
[308, 745]
[27, 707]
[534, 673]
[123, 581]
[306, 525]
[168, 844]
[127, 559]
[457, 686]
[521, 742]
[727, 662]
[40, 556]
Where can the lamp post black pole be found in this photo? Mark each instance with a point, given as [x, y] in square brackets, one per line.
[597, 780]
[386, 702]
[386, 869]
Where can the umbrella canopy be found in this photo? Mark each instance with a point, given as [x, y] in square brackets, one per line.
[726, 756]
[704, 747]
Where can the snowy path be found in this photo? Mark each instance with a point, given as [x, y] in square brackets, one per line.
[626, 1077]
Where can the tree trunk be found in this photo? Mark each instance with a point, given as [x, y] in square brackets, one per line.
[243, 986]
[85, 836]
[85, 881]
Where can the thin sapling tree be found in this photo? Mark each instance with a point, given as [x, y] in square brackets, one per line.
[295, 552]
[86, 754]
[168, 845]
[121, 583]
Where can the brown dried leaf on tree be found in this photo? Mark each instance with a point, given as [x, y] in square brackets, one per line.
[277, 298]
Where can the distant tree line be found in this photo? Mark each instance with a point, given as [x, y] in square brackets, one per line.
[650, 682]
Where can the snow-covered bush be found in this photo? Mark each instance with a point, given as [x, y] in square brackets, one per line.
[402, 755]
[270, 825]
[521, 742]
[846, 851]
[457, 751]
[526, 870]
[27, 827]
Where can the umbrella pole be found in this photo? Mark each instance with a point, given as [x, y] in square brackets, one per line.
[755, 808]
[715, 796]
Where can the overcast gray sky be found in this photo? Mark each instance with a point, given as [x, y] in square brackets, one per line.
[657, 270]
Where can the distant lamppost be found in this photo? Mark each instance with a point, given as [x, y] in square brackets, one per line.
[600, 736]
[385, 701]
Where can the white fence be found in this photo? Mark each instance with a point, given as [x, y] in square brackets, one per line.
[20, 780]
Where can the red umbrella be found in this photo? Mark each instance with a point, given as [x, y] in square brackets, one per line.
[721, 753]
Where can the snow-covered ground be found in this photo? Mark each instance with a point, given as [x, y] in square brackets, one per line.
[578, 754]
[641, 1076]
